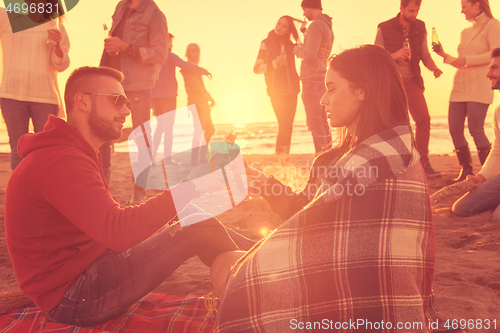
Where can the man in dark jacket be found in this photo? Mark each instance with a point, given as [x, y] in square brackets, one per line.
[137, 47]
[405, 38]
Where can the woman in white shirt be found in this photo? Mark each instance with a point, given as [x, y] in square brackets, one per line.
[471, 94]
[34, 47]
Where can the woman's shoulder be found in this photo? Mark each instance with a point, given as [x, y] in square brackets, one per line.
[494, 23]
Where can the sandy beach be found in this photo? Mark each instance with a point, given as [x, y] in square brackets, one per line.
[467, 271]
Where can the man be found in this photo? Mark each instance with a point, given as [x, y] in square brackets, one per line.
[78, 254]
[487, 194]
[405, 38]
[315, 52]
[164, 99]
[137, 46]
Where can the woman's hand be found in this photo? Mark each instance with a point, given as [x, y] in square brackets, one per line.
[279, 62]
[56, 36]
[460, 62]
[439, 50]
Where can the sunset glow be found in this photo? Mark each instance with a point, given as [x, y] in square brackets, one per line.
[229, 34]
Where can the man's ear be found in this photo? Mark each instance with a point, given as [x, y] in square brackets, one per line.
[82, 102]
[361, 94]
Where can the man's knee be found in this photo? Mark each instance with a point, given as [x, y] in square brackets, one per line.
[461, 208]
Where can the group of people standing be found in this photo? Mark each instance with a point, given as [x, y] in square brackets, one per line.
[405, 38]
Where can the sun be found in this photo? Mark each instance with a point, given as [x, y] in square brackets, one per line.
[241, 106]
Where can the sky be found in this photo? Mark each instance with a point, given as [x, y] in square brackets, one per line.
[229, 33]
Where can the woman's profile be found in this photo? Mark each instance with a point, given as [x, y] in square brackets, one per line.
[358, 240]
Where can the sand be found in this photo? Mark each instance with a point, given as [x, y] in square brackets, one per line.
[467, 272]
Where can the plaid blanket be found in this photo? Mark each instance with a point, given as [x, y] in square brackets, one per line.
[154, 313]
[357, 260]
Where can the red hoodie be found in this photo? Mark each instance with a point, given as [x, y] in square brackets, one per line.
[60, 216]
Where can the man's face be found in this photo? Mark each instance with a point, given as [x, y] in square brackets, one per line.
[493, 72]
[105, 120]
[410, 12]
[308, 13]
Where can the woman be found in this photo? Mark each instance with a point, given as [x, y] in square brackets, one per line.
[359, 241]
[164, 100]
[199, 96]
[32, 56]
[277, 62]
[471, 94]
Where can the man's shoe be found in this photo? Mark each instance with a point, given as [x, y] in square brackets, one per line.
[430, 172]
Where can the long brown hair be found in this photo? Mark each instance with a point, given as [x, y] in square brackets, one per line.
[484, 5]
[371, 68]
[292, 30]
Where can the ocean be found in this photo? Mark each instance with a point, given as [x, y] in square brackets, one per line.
[260, 138]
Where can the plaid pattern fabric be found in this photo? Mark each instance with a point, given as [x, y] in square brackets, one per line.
[154, 313]
[345, 258]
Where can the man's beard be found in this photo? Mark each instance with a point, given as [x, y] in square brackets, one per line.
[409, 20]
[101, 127]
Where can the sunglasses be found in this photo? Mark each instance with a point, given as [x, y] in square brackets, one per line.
[120, 100]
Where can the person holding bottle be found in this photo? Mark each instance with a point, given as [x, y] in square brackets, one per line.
[471, 94]
[405, 38]
[277, 62]
[32, 57]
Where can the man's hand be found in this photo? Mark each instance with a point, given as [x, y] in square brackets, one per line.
[297, 48]
[115, 45]
[437, 72]
[256, 179]
[460, 62]
[205, 180]
[401, 54]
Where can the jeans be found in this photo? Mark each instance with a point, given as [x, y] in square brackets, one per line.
[284, 107]
[484, 198]
[17, 116]
[203, 129]
[475, 114]
[165, 126]
[141, 113]
[115, 281]
[420, 114]
[316, 119]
